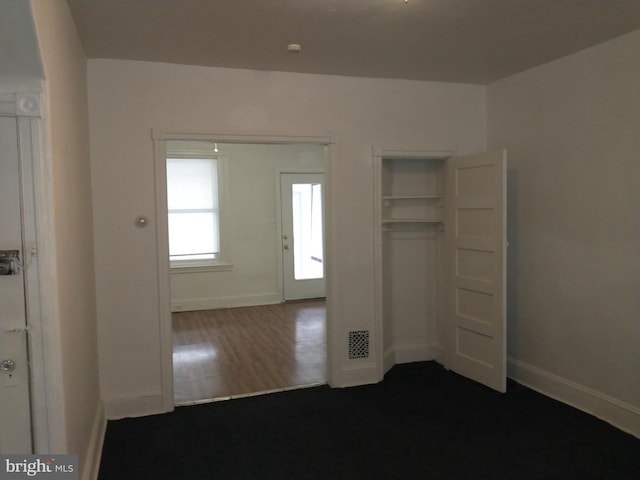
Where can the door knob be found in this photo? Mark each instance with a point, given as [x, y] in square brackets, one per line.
[7, 366]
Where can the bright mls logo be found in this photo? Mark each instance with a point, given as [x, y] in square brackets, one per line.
[51, 467]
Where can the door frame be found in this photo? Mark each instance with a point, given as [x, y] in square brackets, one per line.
[23, 101]
[159, 137]
[379, 153]
[279, 232]
[440, 354]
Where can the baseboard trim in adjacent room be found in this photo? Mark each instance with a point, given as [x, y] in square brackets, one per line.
[123, 406]
[94, 451]
[193, 304]
[620, 414]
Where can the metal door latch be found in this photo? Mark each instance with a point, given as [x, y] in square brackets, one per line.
[9, 262]
[7, 366]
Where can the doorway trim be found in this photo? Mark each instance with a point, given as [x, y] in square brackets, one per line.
[25, 104]
[159, 137]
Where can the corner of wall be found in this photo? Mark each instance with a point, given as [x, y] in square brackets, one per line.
[91, 463]
[123, 406]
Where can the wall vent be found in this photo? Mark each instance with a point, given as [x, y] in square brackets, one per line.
[359, 344]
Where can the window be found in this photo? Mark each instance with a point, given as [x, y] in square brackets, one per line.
[193, 201]
[306, 205]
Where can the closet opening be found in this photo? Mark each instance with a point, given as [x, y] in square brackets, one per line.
[440, 256]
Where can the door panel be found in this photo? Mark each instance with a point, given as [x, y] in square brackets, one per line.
[15, 419]
[302, 235]
[475, 221]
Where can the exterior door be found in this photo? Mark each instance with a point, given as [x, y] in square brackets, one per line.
[475, 222]
[302, 204]
[15, 418]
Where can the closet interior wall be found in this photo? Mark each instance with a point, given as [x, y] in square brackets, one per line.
[412, 225]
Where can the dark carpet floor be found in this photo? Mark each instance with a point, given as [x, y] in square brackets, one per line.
[421, 422]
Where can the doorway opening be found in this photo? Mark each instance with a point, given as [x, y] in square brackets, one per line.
[230, 332]
[232, 352]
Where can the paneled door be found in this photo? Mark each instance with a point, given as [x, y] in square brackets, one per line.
[302, 204]
[15, 418]
[475, 222]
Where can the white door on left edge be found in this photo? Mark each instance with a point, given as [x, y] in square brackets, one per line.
[15, 417]
[302, 204]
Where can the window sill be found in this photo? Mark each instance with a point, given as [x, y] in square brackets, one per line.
[200, 268]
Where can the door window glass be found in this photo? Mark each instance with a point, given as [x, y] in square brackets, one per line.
[307, 231]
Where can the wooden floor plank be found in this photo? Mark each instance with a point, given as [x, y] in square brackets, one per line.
[237, 351]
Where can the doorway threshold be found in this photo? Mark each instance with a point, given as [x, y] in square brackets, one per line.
[306, 300]
[250, 394]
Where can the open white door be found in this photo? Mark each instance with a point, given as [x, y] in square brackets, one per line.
[475, 222]
[302, 235]
[15, 416]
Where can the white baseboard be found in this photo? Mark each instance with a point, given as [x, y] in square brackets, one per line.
[192, 304]
[414, 353]
[410, 353]
[123, 406]
[361, 374]
[94, 451]
[620, 414]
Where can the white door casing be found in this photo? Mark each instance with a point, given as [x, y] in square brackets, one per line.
[159, 137]
[475, 225]
[299, 288]
[15, 415]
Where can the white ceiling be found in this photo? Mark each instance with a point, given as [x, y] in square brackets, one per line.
[468, 41]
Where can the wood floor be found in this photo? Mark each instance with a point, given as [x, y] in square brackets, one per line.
[237, 351]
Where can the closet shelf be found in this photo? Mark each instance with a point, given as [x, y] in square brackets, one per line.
[411, 197]
[410, 220]
[412, 225]
[434, 227]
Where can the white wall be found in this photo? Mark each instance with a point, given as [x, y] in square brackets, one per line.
[128, 99]
[81, 424]
[19, 55]
[572, 131]
[252, 229]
